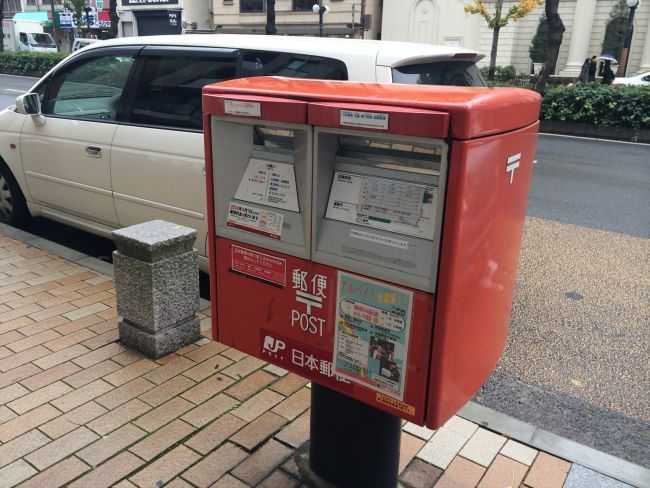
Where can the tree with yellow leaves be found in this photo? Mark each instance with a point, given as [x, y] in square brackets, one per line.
[499, 20]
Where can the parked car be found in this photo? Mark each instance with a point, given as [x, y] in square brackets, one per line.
[112, 136]
[642, 79]
[80, 42]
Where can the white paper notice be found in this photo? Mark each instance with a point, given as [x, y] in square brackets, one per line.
[269, 183]
[240, 107]
[393, 205]
[255, 220]
[367, 120]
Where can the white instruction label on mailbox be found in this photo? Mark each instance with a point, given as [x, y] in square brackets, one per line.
[255, 220]
[240, 107]
[385, 240]
[269, 183]
[392, 205]
[368, 120]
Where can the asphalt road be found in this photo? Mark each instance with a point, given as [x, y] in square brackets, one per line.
[576, 362]
[592, 183]
[12, 86]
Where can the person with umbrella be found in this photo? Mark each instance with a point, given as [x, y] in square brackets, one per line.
[608, 74]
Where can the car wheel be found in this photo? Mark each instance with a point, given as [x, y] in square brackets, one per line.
[13, 209]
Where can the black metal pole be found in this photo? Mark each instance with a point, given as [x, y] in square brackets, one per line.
[320, 18]
[628, 39]
[352, 444]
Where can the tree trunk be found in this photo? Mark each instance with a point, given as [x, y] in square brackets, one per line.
[495, 38]
[555, 33]
[112, 13]
[270, 18]
[493, 53]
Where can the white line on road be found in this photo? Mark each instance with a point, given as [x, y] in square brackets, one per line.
[13, 90]
[19, 76]
[594, 139]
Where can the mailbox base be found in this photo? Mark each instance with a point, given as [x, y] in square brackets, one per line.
[352, 444]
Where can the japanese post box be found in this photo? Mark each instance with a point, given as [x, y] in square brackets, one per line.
[366, 236]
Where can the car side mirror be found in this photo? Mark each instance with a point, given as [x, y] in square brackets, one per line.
[29, 104]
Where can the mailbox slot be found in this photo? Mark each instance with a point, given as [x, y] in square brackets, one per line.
[378, 202]
[262, 182]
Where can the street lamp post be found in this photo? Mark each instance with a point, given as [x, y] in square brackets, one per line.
[622, 67]
[321, 10]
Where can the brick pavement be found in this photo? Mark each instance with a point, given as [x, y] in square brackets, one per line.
[78, 409]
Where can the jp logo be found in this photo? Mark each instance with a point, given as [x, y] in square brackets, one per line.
[273, 346]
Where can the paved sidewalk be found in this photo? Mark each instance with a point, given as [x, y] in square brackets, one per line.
[79, 409]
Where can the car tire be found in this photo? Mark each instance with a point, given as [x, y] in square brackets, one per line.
[13, 209]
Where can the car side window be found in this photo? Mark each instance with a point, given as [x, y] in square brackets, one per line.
[269, 63]
[90, 89]
[169, 89]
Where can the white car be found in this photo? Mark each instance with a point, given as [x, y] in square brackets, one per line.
[642, 79]
[111, 137]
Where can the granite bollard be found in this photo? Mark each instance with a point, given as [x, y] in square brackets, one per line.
[157, 287]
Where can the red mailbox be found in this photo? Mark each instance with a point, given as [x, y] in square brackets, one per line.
[366, 236]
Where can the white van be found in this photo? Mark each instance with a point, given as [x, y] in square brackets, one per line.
[112, 136]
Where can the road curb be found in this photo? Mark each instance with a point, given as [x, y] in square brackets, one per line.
[562, 447]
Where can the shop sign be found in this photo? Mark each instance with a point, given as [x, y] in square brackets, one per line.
[174, 18]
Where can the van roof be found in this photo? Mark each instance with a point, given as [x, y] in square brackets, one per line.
[385, 53]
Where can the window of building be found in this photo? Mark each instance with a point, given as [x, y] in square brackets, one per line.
[169, 91]
[246, 6]
[31, 3]
[269, 63]
[12, 6]
[304, 5]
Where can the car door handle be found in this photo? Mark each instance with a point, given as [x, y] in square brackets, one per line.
[94, 151]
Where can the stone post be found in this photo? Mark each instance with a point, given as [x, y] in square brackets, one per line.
[157, 287]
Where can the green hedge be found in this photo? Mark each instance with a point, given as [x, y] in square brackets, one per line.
[28, 63]
[501, 73]
[601, 105]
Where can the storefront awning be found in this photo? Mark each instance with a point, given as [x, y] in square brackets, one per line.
[43, 17]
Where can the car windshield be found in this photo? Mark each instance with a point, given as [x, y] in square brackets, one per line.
[40, 40]
[457, 73]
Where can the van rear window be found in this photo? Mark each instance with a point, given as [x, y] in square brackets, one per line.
[269, 63]
[455, 73]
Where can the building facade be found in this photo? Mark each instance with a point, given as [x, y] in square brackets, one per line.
[60, 22]
[151, 17]
[445, 22]
[345, 18]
